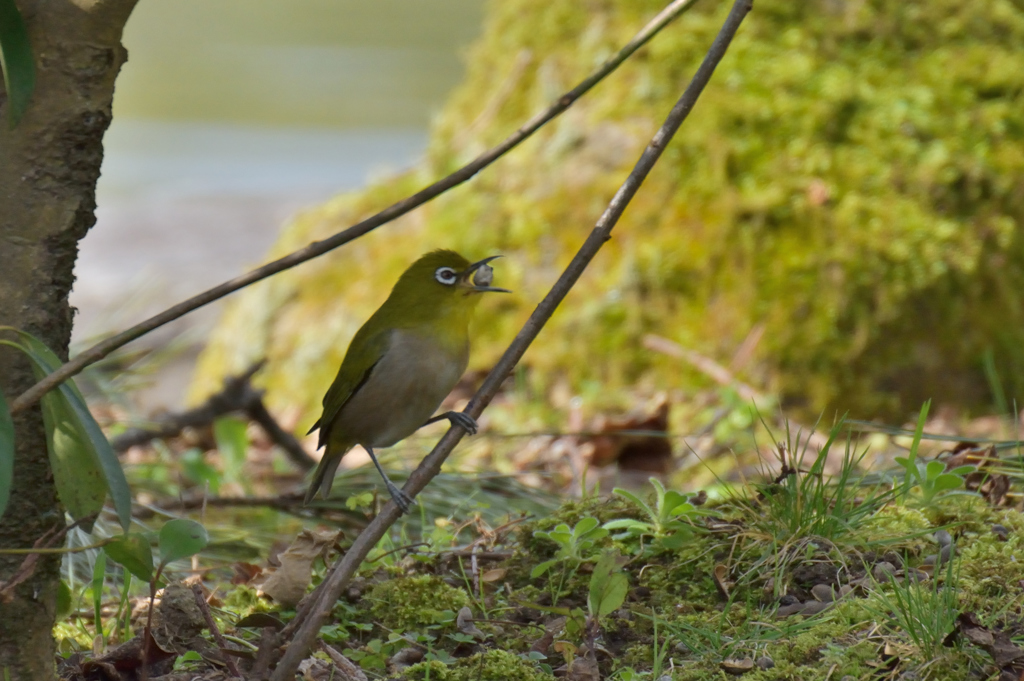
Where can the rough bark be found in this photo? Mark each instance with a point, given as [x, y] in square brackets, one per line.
[49, 165]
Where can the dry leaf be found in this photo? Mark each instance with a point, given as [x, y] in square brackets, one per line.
[245, 573]
[722, 583]
[288, 583]
[493, 575]
[650, 453]
[737, 666]
[464, 622]
[583, 668]
[1005, 653]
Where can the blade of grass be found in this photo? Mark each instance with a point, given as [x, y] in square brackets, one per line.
[16, 61]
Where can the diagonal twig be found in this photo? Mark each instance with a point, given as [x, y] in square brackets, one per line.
[237, 395]
[308, 620]
[211, 624]
[230, 398]
[318, 248]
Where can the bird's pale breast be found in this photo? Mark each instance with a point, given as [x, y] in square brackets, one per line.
[403, 390]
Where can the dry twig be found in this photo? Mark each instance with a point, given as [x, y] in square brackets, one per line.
[237, 395]
[211, 624]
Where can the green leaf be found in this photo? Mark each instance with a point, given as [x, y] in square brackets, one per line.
[659, 489]
[15, 61]
[99, 574]
[677, 539]
[673, 500]
[934, 469]
[194, 466]
[947, 481]
[629, 524]
[181, 538]
[233, 444]
[685, 508]
[76, 472]
[64, 600]
[187, 660]
[134, 554]
[78, 446]
[6, 453]
[540, 569]
[626, 494]
[607, 586]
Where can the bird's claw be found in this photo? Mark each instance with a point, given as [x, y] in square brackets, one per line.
[467, 422]
[402, 500]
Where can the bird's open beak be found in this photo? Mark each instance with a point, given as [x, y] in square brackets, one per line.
[477, 276]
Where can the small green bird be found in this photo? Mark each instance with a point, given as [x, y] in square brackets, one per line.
[401, 364]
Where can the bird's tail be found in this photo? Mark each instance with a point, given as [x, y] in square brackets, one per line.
[323, 476]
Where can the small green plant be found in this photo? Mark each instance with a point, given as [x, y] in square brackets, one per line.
[804, 502]
[608, 587]
[931, 478]
[373, 654]
[667, 521]
[574, 544]
[924, 611]
[934, 480]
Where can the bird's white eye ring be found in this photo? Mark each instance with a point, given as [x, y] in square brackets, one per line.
[445, 275]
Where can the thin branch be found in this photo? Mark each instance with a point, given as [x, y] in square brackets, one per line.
[237, 395]
[211, 624]
[318, 248]
[291, 502]
[257, 411]
[28, 566]
[230, 398]
[310, 618]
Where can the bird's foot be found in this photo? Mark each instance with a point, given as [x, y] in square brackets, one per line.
[402, 500]
[460, 418]
[457, 418]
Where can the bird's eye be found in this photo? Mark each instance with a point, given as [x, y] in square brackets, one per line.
[445, 275]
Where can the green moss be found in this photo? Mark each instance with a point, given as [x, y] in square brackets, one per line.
[494, 664]
[407, 603]
[897, 528]
[243, 600]
[639, 656]
[993, 569]
[851, 179]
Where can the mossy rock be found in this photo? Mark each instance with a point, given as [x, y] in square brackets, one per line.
[851, 183]
[408, 603]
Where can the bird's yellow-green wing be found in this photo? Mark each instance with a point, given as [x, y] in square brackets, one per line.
[366, 349]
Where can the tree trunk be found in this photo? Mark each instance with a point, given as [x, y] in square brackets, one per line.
[49, 165]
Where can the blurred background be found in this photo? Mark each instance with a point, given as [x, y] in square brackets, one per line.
[836, 229]
[832, 242]
[228, 118]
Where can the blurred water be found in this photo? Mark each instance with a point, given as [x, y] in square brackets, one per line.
[152, 159]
